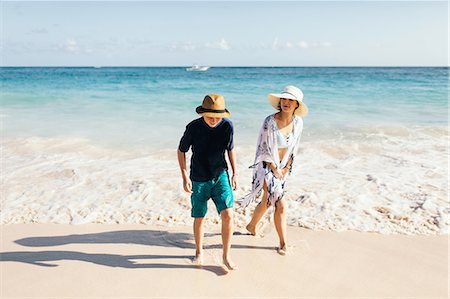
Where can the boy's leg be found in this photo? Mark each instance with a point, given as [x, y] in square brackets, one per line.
[198, 236]
[199, 198]
[227, 231]
[222, 195]
[259, 212]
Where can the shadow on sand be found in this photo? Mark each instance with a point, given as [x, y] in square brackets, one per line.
[44, 258]
[140, 237]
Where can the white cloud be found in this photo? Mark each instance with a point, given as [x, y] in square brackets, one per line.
[221, 45]
[39, 31]
[191, 46]
[73, 46]
[302, 45]
[275, 45]
[284, 45]
[19, 47]
[183, 47]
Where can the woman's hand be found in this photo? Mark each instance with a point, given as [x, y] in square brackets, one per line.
[285, 171]
[278, 173]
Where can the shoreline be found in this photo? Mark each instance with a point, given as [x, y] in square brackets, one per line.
[117, 261]
[386, 188]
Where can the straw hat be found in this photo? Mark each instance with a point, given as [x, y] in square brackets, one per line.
[213, 106]
[293, 93]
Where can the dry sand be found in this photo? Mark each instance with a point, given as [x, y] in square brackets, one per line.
[123, 261]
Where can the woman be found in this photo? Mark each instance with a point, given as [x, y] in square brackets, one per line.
[276, 153]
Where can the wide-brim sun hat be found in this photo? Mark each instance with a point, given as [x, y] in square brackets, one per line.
[213, 106]
[293, 93]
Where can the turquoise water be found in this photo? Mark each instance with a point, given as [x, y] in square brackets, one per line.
[98, 145]
[151, 106]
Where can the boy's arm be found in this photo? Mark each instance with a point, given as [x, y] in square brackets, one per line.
[187, 184]
[232, 158]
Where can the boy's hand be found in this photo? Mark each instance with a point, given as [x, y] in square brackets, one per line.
[234, 183]
[187, 185]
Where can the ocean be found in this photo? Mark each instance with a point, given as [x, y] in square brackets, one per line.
[82, 145]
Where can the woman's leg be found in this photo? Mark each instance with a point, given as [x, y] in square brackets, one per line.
[260, 209]
[280, 224]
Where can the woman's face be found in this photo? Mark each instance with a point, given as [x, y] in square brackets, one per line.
[288, 105]
[212, 121]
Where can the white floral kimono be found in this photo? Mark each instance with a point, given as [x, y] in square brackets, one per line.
[267, 151]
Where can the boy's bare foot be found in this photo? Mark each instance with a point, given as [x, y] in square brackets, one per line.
[282, 250]
[198, 260]
[229, 264]
[251, 229]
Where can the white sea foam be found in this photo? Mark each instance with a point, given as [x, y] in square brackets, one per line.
[386, 180]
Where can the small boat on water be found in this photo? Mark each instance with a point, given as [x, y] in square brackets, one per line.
[197, 68]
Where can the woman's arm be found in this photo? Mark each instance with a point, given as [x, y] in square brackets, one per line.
[287, 169]
[278, 173]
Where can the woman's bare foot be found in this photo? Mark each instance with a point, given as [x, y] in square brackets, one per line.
[229, 264]
[198, 259]
[251, 229]
[282, 250]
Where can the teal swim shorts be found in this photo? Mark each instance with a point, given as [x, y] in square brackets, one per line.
[219, 189]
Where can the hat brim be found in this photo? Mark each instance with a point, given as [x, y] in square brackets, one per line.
[274, 100]
[211, 113]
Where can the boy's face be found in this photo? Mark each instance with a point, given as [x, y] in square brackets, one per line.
[212, 121]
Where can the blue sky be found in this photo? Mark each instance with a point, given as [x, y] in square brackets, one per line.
[250, 33]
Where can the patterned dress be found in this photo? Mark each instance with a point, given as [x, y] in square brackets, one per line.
[267, 151]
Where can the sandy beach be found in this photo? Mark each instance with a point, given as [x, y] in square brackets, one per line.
[124, 261]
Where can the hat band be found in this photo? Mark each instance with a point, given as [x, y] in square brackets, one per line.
[212, 110]
[290, 94]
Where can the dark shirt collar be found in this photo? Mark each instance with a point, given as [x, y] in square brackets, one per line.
[212, 128]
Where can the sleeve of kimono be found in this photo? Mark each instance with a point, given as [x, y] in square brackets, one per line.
[265, 146]
[296, 150]
[264, 152]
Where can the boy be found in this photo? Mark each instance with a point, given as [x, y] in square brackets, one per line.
[209, 137]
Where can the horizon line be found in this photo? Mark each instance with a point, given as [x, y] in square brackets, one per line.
[227, 66]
